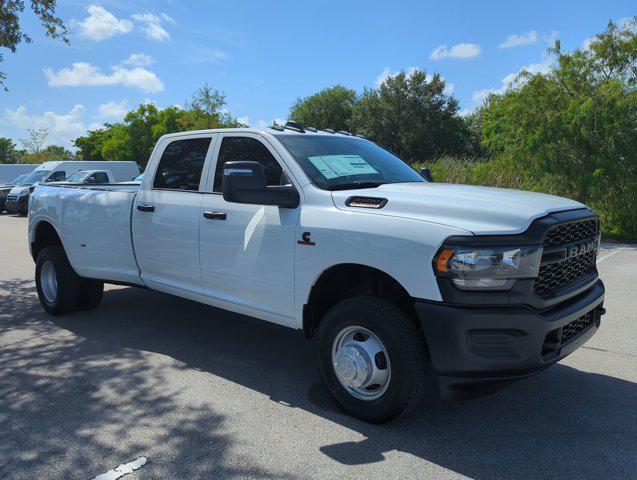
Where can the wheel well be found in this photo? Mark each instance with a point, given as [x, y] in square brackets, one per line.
[45, 236]
[344, 281]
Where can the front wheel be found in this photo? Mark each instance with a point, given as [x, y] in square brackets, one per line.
[372, 359]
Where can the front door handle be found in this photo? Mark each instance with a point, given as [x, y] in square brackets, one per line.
[145, 208]
[215, 215]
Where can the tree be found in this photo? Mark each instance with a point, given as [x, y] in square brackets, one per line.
[206, 109]
[50, 153]
[135, 137]
[11, 34]
[329, 108]
[37, 139]
[8, 152]
[578, 124]
[412, 116]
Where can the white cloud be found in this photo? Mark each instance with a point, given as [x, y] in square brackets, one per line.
[461, 50]
[62, 128]
[244, 120]
[113, 111]
[387, 73]
[83, 74]
[516, 40]
[196, 55]
[102, 24]
[512, 79]
[549, 38]
[151, 25]
[139, 60]
[168, 18]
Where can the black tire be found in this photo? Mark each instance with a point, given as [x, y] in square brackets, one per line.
[91, 292]
[67, 293]
[405, 347]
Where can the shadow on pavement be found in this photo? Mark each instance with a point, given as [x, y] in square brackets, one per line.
[63, 398]
[563, 422]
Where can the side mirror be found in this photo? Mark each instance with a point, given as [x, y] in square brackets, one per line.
[244, 182]
[90, 180]
[426, 174]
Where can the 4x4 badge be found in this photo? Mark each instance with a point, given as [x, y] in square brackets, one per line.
[305, 239]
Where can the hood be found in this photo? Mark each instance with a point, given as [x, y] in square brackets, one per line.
[481, 210]
[20, 190]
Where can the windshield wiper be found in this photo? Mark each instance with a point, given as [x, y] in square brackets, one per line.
[353, 185]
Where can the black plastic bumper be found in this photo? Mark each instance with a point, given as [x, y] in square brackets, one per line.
[478, 350]
[18, 205]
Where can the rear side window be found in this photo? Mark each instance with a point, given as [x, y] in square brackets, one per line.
[181, 164]
[100, 177]
[247, 149]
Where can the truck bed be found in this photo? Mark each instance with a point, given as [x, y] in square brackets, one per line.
[95, 227]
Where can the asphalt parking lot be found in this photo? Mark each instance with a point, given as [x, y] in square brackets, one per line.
[202, 393]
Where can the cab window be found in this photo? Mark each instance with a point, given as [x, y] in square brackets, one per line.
[248, 149]
[181, 164]
[99, 177]
[59, 176]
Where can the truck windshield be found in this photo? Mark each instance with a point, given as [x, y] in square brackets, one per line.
[77, 177]
[18, 179]
[34, 177]
[337, 162]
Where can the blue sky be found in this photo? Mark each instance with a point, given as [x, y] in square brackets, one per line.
[264, 55]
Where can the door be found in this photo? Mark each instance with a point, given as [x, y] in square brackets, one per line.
[166, 216]
[247, 251]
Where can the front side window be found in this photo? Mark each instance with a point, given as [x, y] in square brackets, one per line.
[338, 162]
[181, 164]
[248, 149]
[57, 177]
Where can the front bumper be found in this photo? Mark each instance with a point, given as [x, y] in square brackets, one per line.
[479, 349]
[17, 204]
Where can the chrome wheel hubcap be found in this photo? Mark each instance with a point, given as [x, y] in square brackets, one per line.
[361, 363]
[48, 282]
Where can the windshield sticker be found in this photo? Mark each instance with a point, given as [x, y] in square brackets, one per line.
[334, 166]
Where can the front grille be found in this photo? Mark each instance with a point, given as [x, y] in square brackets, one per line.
[561, 336]
[553, 277]
[578, 325]
[571, 232]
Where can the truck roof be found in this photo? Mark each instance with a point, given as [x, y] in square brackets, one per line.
[276, 130]
[85, 164]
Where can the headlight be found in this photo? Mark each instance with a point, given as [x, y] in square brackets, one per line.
[487, 268]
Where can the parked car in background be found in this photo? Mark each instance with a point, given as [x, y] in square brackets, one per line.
[9, 171]
[330, 234]
[138, 179]
[17, 201]
[6, 188]
[92, 177]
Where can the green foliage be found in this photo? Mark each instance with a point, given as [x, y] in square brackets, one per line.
[412, 116]
[329, 108]
[576, 126]
[50, 153]
[11, 34]
[8, 152]
[134, 138]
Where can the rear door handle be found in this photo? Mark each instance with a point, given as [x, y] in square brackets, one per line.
[215, 215]
[145, 208]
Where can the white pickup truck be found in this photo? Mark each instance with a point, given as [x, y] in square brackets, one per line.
[332, 235]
